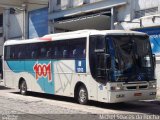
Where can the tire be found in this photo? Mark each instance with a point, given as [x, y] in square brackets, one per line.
[23, 88]
[82, 95]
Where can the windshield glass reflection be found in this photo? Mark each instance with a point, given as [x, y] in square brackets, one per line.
[132, 59]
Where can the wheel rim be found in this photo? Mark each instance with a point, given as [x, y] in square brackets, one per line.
[23, 88]
[82, 95]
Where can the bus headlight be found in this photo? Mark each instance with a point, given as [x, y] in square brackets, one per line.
[152, 85]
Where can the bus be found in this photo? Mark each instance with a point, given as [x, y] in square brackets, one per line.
[109, 66]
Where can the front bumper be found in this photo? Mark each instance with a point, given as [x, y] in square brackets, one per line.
[125, 96]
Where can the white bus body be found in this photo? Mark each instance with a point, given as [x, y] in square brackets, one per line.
[66, 69]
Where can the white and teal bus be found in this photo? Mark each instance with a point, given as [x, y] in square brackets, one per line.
[106, 66]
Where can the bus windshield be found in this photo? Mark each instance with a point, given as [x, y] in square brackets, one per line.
[132, 59]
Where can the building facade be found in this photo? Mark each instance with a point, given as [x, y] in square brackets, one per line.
[113, 14]
[24, 19]
[1, 32]
[21, 19]
[17, 19]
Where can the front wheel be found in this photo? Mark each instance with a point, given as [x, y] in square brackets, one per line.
[23, 87]
[82, 95]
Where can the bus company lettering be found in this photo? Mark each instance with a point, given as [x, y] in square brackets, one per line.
[43, 70]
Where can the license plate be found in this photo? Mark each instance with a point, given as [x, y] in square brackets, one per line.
[137, 94]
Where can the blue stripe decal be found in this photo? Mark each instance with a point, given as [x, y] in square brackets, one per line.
[42, 71]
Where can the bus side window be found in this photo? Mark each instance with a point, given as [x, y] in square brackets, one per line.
[17, 52]
[43, 53]
[12, 52]
[51, 53]
[65, 49]
[33, 55]
[56, 53]
[7, 54]
[20, 52]
[48, 55]
[65, 54]
[20, 55]
[12, 55]
[33, 51]
[77, 48]
[78, 53]
[74, 53]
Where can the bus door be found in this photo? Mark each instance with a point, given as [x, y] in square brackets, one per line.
[99, 64]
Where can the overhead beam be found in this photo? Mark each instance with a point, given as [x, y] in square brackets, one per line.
[38, 2]
[11, 3]
[106, 4]
[19, 3]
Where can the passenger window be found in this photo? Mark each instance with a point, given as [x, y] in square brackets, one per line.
[32, 51]
[56, 53]
[77, 48]
[50, 53]
[12, 55]
[74, 53]
[20, 55]
[84, 53]
[20, 52]
[33, 55]
[7, 53]
[65, 54]
[42, 53]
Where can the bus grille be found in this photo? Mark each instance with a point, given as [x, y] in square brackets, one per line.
[137, 87]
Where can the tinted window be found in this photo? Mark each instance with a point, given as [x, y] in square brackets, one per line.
[15, 52]
[42, 50]
[67, 49]
[7, 54]
[19, 51]
[64, 49]
[31, 51]
[97, 46]
[77, 48]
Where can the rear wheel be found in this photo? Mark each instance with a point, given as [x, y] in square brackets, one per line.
[23, 87]
[82, 95]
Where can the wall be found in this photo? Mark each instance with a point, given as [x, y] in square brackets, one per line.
[67, 4]
[38, 23]
[143, 4]
[36, 5]
[1, 42]
[129, 12]
[16, 24]
[124, 12]
[1, 31]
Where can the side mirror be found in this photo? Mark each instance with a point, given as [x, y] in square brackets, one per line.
[154, 60]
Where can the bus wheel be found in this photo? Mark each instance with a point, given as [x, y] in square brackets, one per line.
[82, 95]
[23, 87]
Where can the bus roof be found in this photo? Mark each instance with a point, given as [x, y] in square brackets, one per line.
[72, 35]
